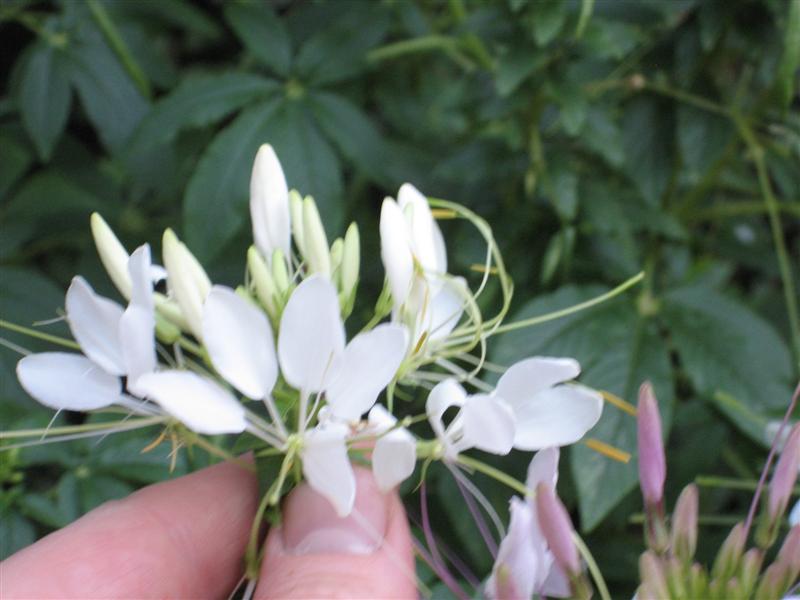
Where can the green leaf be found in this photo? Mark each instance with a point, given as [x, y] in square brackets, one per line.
[617, 351]
[111, 100]
[179, 14]
[338, 51]
[354, 135]
[702, 138]
[602, 135]
[731, 355]
[17, 158]
[16, 532]
[94, 490]
[647, 134]
[44, 98]
[215, 203]
[262, 33]
[549, 17]
[200, 100]
[790, 61]
[561, 185]
[516, 66]
[65, 199]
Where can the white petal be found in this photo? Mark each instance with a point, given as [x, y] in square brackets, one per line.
[311, 336]
[556, 417]
[327, 468]
[137, 335]
[94, 322]
[393, 458]
[199, 403]
[67, 381]
[446, 307]
[140, 270]
[269, 204]
[556, 584]
[239, 341]
[794, 515]
[425, 234]
[369, 362]
[516, 566]
[380, 419]
[488, 424]
[446, 394]
[523, 379]
[396, 251]
[543, 468]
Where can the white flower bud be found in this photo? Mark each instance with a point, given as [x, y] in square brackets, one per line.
[315, 242]
[266, 292]
[187, 280]
[351, 258]
[112, 254]
[269, 203]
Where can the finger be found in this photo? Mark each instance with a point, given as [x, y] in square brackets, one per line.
[315, 554]
[179, 539]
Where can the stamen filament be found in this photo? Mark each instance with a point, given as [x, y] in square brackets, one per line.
[618, 402]
[608, 450]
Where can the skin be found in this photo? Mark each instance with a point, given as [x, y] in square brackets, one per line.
[185, 538]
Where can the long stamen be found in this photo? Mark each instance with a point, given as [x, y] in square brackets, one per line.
[275, 415]
[476, 515]
[608, 450]
[445, 575]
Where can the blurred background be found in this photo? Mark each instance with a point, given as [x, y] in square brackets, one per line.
[598, 138]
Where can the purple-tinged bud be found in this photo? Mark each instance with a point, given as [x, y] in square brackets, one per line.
[676, 580]
[789, 554]
[654, 580]
[748, 574]
[730, 554]
[774, 583]
[785, 475]
[684, 524]
[652, 463]
[698, 582]
[556, 526]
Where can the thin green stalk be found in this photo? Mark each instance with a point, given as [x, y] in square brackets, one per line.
[573, 309]
[425, 43]
[55, 339]
[730, 483]
[587, 7]
[117, 44]
[67, 429]
[771, 203]
[597, 576]
[496, 474]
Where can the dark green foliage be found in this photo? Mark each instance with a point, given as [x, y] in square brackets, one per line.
[598, 139]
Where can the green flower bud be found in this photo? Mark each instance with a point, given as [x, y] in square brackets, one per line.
[748, 574]
[280, 275]
[315, 242]
[684, 524]
[337, 250]
[651, 573]
[730, 554]
[112, 254]
[260, 275]
[296, 211]
[187, 280]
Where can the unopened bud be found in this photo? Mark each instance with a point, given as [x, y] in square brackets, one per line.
[651, 572]
[557, 529]
[748, 574]
[676, 583]
[315, 242]
[112, 254]
[698, 582]
[780, 488]
[269, 203]
[296, 211]
[774, 583]
[789, 553]
[652, 463]
[337, 249]
[684, 524]
[262, 280]
[351, 260]
[280, 276]
[187, 280]
[730, 554]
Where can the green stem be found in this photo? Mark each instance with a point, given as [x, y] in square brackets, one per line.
[117, 44]
[496, 474]
[425, 43]
[572, 309]
[771, 203]
[587, 6]
[597, 576]
[39, 335]
[67, 429]
[730, 483]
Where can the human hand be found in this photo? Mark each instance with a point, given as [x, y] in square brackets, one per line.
[186, 539]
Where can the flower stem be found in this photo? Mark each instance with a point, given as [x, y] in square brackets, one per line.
[55, 339]
[597, 576]
[623, 287]
[497, 474]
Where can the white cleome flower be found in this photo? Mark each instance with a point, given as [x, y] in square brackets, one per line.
[395, 453]
[414, 256]
[524, 565]
[314, 359]
[117, 342]
[269, 204]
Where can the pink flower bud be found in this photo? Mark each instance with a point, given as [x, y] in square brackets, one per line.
[780, 488]
[684, 524]
[654, 580]
[652, 463]
[556, 526]
[789, 553]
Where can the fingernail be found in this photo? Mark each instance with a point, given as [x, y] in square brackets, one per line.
[311, 525]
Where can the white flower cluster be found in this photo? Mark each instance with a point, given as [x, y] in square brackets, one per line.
[279, 340]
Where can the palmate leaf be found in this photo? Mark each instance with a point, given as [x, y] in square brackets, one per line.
[44, 98]
[617, 350]
[262, 33]
[731, 355]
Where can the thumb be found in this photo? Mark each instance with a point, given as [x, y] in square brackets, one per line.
[316, 554]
